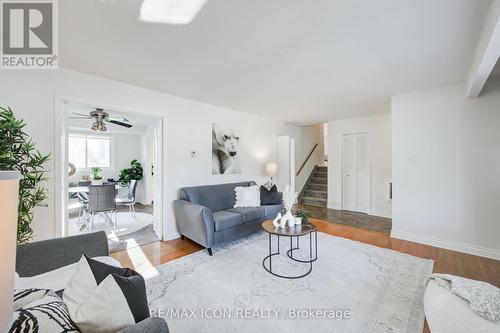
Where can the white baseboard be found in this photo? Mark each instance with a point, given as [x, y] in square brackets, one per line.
[333, 205]
[388, 216]
[446, 244]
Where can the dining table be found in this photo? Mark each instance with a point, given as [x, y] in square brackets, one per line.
[85, 189]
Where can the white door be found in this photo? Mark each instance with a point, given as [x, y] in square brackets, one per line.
[355, 173]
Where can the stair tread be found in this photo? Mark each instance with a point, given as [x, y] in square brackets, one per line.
[314, 198]
[315, 191]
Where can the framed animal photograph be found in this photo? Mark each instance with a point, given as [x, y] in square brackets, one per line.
[225, 150]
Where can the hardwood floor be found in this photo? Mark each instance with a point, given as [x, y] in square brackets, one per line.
[445, 261]
[353, 219]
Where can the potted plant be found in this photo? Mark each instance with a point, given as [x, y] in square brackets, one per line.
[96, 176]
[18, 153]
[134, 172]
[302, 215]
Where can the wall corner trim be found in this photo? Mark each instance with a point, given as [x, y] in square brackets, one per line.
[446, 244]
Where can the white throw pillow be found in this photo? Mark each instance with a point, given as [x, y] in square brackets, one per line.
[247, 196]
[101, 298]
[56, 279]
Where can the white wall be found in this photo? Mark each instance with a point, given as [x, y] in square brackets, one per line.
[188, 127]
[310, 135]
[378, 128]
[446, 168]
[125, 148]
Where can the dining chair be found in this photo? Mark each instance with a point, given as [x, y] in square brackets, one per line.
[129, 200]
[83, 199]
[101, 200]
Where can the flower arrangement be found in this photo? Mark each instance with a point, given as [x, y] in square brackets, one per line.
[289, 197]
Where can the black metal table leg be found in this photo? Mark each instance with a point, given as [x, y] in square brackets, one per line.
[270, 255]
[272, 231]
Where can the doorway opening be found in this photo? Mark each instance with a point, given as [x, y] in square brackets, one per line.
[109, 173]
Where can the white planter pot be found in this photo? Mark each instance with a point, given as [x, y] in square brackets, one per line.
[97, 182]
[298, 220]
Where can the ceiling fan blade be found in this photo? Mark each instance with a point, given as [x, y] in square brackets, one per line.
[119, 123]
[123, 120]
[81, 114]
[88, 117]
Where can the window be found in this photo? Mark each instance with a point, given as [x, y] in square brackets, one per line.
[89, 151]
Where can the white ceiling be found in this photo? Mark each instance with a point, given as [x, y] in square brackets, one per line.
[298, 61]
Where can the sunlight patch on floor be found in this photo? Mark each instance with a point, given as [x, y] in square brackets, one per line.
[140, 261]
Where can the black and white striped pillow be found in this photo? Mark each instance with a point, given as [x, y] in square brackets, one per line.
[40, 310]
[105, 298]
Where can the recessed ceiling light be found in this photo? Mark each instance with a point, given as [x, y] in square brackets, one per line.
[170, 11]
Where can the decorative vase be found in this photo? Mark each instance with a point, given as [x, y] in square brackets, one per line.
[282, 223]
[289, 197]
[298, 220]
[277, 220]
[287, 219]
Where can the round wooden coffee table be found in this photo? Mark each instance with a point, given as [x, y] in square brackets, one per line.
[291, 232]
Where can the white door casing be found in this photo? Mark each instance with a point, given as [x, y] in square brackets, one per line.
[149, 171]
[61, 162]
[284, 160]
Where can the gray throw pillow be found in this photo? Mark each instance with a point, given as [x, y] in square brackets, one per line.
[269, 197]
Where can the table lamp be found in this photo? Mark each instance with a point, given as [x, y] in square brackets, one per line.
[271, 169]
[9, 193]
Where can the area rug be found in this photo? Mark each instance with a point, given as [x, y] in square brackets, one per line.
[127, 223]
[353, 287]
[140, 237]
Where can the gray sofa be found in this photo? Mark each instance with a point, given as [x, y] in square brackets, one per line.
[40, 257]
[205, 214]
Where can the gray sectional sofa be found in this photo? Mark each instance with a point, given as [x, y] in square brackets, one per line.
[205, 214]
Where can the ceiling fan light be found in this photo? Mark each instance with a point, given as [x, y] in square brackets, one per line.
[170, 11]
[99, 126]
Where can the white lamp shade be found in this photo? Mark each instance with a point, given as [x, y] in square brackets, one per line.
[9, 193]
[271, 168]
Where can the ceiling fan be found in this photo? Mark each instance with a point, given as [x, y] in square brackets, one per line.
[100, 118]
